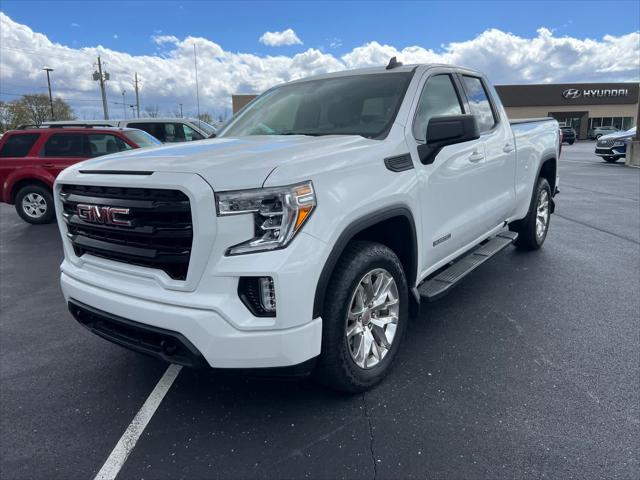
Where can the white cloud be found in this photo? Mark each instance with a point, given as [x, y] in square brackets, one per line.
[115, 35]
[278, 39]
[162, 39]
[169, 80]
[75, 25]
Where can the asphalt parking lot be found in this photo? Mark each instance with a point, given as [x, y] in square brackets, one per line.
[529, 369]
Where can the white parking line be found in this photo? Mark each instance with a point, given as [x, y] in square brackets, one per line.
[127, 442]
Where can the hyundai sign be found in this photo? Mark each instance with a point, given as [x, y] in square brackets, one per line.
[572, 93]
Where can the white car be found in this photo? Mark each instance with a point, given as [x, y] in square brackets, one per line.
[313, 225]
[167, 130]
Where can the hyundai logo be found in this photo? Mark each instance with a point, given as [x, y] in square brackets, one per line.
[103, 215]
[572, 93]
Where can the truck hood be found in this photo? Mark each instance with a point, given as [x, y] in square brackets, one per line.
[229, 163]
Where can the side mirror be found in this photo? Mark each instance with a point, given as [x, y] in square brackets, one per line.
[448, 130]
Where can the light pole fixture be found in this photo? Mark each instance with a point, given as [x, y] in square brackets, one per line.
[47, 69]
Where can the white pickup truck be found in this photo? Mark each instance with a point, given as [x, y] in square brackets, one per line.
[312, 228]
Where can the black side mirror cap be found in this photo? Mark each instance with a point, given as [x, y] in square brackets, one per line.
[447, 130]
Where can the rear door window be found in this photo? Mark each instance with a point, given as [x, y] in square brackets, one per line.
[104, 144]
[18, 145]
[65, 145]
[479, 103]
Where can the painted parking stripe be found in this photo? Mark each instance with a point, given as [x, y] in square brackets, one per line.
[127, 442]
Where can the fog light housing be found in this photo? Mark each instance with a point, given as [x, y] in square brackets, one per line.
[259, 295]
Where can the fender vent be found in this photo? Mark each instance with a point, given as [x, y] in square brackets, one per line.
[399, 163]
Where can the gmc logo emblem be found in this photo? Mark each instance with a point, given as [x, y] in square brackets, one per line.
[103, 215]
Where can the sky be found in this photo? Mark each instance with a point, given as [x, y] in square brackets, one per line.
[247, 47]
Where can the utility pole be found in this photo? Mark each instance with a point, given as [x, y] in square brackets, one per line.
[181, 111]
[195, 62]
[102, 77]
[124, 105]
[47, 69]
[137, 97]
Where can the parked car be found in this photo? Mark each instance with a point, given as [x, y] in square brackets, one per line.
[167, 130]
[568, 135]
[613, 147]
[306, 233]
[31, 158]
[598, 132]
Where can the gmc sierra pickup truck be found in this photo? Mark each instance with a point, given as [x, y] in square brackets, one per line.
[310, 230]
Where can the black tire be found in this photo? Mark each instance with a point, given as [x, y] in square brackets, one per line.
[571, 142]
[611, 159]
[37, 192]
[598, 136]
[528, 239]
[336, 367]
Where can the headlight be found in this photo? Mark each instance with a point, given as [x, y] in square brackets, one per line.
[618, 143]
[279, 213]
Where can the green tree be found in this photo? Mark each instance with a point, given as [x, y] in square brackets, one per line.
[206, 117]
[33, 109]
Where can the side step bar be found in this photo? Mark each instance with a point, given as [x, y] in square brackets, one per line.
[437, 286]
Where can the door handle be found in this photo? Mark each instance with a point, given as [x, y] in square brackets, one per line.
[48, 165]
[508, 148]
[475, 157]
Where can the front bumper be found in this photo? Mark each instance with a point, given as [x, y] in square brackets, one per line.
[611, 151]
[212, 338]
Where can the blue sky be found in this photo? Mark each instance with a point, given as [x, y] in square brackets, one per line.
[236, 26]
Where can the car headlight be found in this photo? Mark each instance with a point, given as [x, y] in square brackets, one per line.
[618, 143]
[279, 214]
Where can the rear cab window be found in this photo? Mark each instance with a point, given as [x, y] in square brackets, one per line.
[18, 144]
[479, 103]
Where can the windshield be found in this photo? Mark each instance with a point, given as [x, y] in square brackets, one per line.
[208, 129]
[142, 138]
[363, 105]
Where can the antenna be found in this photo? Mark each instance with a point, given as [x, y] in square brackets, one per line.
[393, 63]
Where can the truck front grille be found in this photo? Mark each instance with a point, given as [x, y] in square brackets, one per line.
[158, 231]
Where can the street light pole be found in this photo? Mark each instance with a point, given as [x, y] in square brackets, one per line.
[47, 69]
[124, 105]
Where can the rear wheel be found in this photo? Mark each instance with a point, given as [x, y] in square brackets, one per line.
[611, 159]
[34, 204]
[571, 142]
[364, 318]
[532, 230]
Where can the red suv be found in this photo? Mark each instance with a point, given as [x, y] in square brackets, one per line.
[32, 158]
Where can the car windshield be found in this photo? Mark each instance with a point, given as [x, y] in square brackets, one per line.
[142, 138]
[363, 105]
[207, 128]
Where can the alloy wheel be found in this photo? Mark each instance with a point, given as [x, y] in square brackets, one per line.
[372, 319]
[542, 214]
[34, 205]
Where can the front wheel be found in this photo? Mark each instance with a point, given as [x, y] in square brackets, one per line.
[34, 204]
[364, 319]
[532, 230]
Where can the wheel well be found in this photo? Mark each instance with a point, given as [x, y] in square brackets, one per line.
[394, 233]
[394, 228]
[548, 171]
[25, 182]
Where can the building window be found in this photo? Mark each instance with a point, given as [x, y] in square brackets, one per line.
[621, 123]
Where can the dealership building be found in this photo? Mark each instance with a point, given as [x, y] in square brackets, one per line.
[583, 106]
